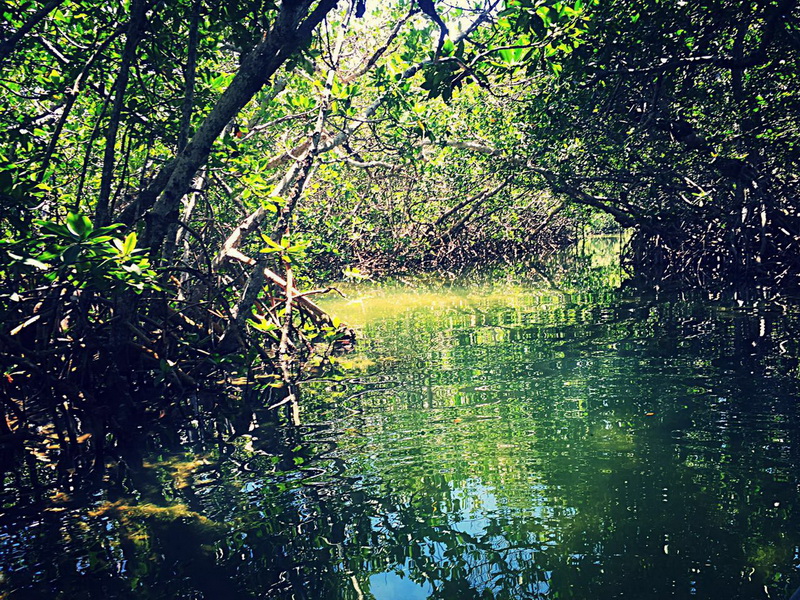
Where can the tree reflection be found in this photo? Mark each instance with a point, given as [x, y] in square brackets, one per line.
[544, 446]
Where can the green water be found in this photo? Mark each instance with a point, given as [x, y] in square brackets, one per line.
[499, 440]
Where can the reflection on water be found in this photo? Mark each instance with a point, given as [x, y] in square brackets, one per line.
[492, 441]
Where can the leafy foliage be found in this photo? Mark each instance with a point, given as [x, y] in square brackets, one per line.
[85, 257]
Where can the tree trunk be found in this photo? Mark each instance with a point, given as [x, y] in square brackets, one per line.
[288, 34]
[135, 30]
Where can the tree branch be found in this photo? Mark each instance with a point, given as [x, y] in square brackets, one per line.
[9, 45]
[287, 35]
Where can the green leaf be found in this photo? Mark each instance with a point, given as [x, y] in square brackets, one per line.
[545, 14]
[129, 245]
[448, 47]
[272, 246]
[79, 225]
[262, 324]
[70, 254]
[102, 231]
[58, 230]
[46, 256]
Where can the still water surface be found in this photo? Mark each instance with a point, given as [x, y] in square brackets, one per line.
[484, 441]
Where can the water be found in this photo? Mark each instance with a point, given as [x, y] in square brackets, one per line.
[495, 440]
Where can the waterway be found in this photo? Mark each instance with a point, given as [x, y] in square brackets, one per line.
[517, 436]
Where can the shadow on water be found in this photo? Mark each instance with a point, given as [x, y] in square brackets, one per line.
[512, 438]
